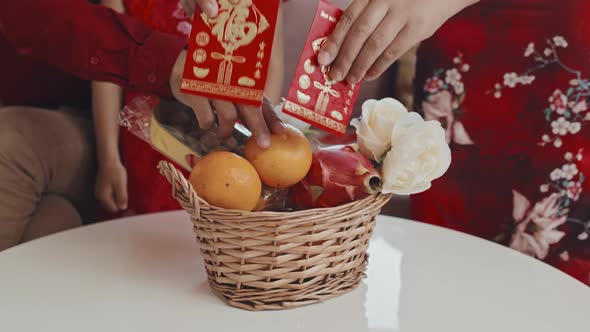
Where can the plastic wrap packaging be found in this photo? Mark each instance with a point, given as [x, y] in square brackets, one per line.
[171, 128]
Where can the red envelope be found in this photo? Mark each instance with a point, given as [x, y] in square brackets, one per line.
[313, 97]
[228, 56]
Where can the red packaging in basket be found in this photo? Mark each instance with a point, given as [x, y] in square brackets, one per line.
[228, 55]
[313, 97]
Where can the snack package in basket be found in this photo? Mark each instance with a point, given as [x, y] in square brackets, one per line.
[171, 128]
[313, 96]
[229, 55]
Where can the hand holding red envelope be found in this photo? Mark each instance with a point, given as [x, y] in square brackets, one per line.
[313, 97]
[228, 55]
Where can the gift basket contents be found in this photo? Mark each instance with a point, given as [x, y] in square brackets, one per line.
[289, 225]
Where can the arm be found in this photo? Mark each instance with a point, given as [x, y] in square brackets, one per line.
[106, 104]
[111, 184]
[276, 73]
[92, 42]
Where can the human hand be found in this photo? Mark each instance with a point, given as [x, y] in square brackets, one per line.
[111, 186]
[209, 7]
[372, 34]
[260, 121]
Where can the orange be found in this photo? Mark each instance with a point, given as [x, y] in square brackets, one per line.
[285, 162]
[226, 180]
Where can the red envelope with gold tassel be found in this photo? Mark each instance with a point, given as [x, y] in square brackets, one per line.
[228, 55]
[313, 97]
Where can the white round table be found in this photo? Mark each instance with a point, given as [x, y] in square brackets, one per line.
[145, 274]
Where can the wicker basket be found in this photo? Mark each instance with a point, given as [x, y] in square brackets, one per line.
[279, 260]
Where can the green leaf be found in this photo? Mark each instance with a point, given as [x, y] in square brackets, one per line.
[500, 238]
[316, 192]
[548, 112]
[570, 91]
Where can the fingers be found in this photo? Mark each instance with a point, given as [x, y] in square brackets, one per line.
[209, 7]
[375, 46]
[227, 116]
[120, 191]
[202, 110]
[404, 41]
[360, 32]
[105, 195]
[271, 118]
[330, 50]
[256, 123]
[189, 7]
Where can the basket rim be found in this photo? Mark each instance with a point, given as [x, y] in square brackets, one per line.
[276, 214]
[290, 213]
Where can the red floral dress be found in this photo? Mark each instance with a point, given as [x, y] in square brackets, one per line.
[510, 82]
[148, 191]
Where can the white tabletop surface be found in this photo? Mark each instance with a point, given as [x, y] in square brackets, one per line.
[145, 274]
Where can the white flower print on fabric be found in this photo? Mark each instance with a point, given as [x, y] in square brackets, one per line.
[556, 174]
[511, 79]
[574, 127]
[459, 88]
[530, 49]
[566, 181]
[558, 142]
[580, 107]
[547, 52]
[526, 79]
[453, 76]
[536, 226]
[568, 171]
[443, 100]
[560, 126]
[559, 41]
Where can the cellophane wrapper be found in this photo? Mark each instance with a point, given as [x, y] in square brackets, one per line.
[171, 128]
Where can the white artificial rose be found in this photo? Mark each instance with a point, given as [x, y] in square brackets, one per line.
[374, 127]
[419, 154]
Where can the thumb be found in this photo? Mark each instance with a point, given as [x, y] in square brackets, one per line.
[209, 7]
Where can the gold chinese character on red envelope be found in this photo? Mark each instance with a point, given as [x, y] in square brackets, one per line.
[228, 55]
[313, 97]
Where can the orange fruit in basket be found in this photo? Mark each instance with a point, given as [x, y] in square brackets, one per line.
[226, 180]
[285, 162]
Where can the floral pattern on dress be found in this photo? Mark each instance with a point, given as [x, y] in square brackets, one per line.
[536, 228]
[184, 26]
[445, 92]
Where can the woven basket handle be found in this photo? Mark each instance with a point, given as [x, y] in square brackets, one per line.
[182, 190]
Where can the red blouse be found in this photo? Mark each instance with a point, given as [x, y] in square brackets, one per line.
[51, 37]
